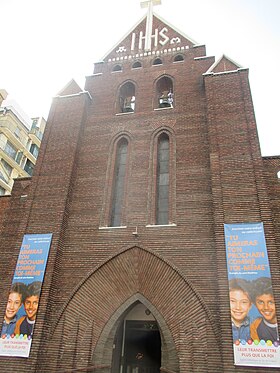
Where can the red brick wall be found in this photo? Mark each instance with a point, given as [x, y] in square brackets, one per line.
[271, 169]
[238, 181]
[4, 205]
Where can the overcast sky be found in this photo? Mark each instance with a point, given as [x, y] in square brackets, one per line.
[46, 43]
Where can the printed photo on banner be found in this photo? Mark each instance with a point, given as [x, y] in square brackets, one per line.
[24, 296]
[252, 305]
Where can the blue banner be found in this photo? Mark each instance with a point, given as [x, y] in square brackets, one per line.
[24, 295]
[252, 305]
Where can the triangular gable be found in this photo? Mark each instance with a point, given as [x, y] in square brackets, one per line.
[164, 37]
[224, 64]
[71, 88]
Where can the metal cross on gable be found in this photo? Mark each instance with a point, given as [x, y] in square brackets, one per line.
[149, 22]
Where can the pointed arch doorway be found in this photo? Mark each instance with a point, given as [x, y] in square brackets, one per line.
[137, 344]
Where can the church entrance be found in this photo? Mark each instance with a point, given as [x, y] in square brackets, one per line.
[137, 343]
[142, 347]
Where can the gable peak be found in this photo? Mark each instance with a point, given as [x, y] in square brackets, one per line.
[163, 38]
[70, 88]
[224, 64]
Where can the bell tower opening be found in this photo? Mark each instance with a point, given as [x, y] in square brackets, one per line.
[137, 347]
[164, 91]
[127, 98]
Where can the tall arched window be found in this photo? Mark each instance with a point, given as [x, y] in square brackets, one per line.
[162, 191]
[117, 205]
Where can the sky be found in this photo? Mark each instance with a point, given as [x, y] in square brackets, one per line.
[46, 43]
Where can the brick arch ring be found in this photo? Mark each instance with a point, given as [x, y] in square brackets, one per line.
[98, 306]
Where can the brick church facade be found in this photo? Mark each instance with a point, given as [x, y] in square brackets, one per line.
[136, 176]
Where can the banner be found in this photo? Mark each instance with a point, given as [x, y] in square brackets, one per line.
[252, 306]
[23, 301]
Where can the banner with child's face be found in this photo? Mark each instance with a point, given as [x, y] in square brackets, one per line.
[252, 305]
[24, 295]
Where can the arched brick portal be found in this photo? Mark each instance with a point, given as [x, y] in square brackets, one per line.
[84, 333]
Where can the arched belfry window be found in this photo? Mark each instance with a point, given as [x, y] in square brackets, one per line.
[162, 180]
[178, 58]
[164, 93]
[137, 65]
[117, 68]
[157, 61]
[127, 98]
[119, 181]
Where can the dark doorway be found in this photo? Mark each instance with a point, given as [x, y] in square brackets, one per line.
[141, 347]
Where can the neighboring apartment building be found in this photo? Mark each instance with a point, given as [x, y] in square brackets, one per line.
[20, 140]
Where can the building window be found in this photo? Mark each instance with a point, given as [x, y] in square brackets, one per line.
[17, 132]
[34, 123]
[278, 175]
[22, 162]
[164, 93]
[117, 68]
[127, 98]
[10, 150]
[19, 157]
[2, 191]
[7, 167]
[157, 61]
[34, 150]
[162, 191]
[29, 167]
[178, 58]
[3, 177]
[136, 65]
[119, 181]
[161, 202]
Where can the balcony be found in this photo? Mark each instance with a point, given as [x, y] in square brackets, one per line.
[29, 167]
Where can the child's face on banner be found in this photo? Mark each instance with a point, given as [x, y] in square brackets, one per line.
[266, 306]
[240, 305]
[13, 305]
[31, 306]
